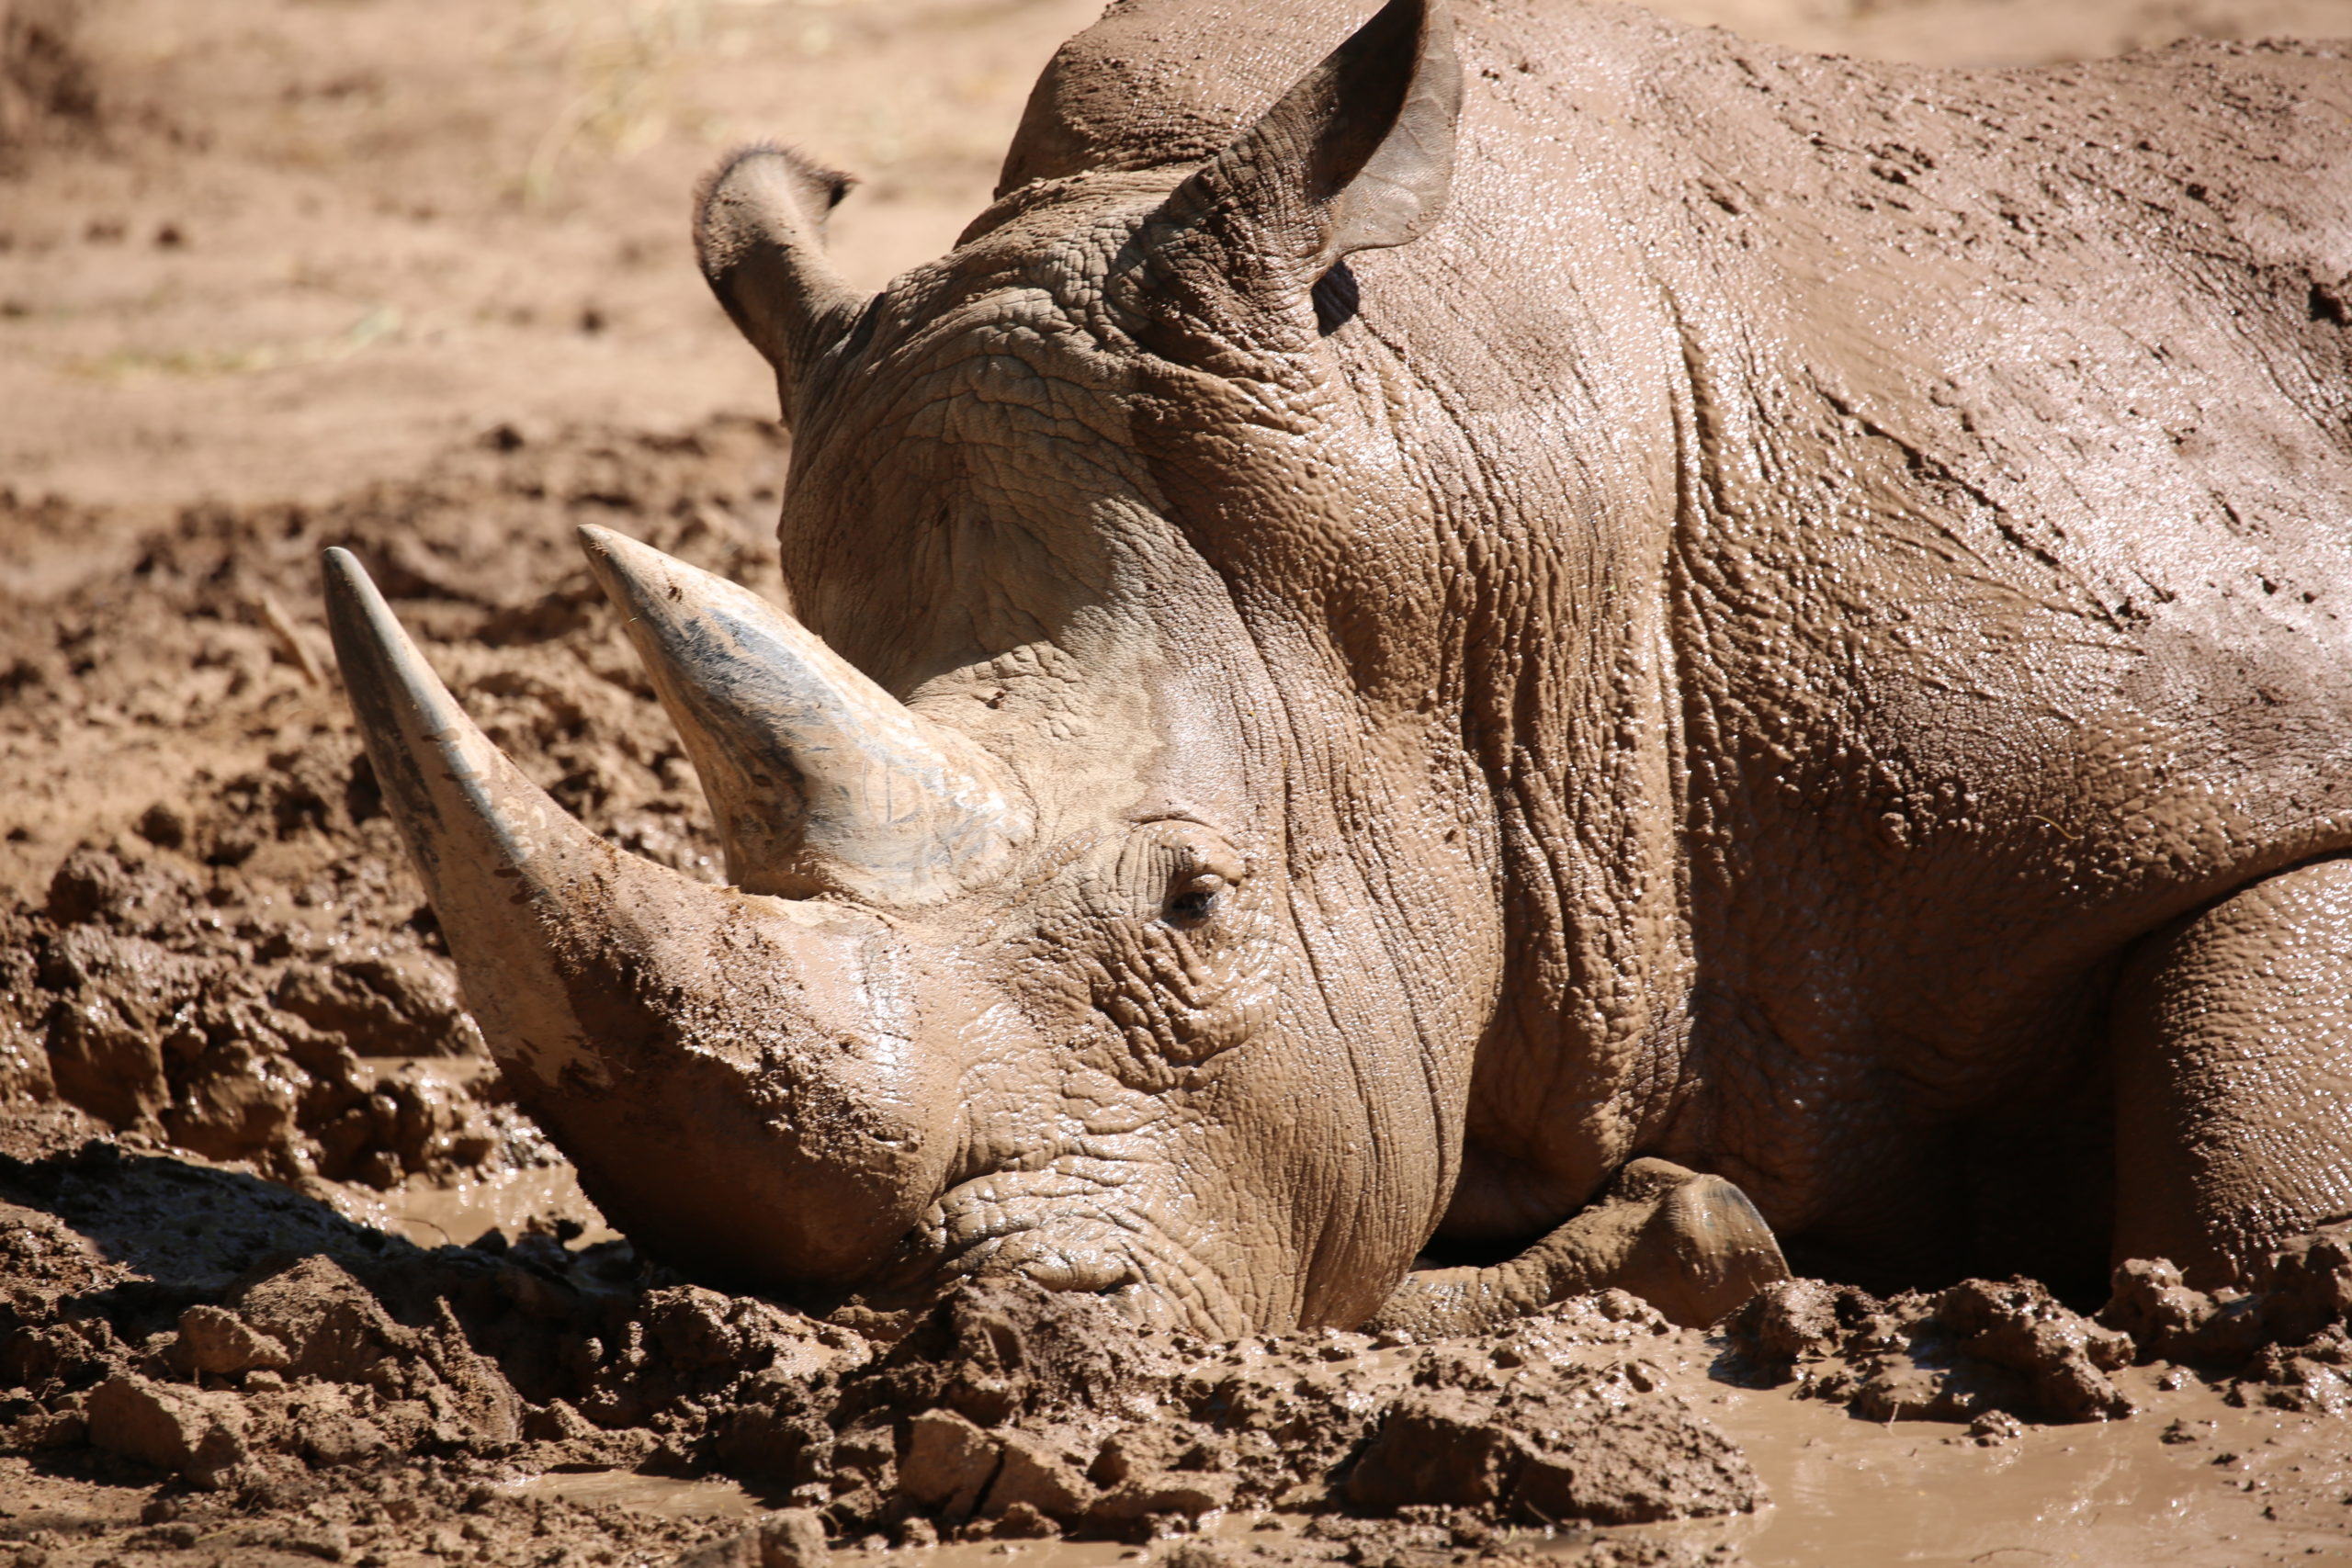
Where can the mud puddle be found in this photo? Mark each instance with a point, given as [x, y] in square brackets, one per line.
[2189, 1481]
[440, 1212]
[279, 1374]
[1848, 1493]
[664, 1496]
[509, 1201]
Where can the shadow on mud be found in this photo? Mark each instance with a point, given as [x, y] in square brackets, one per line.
[183, 1230]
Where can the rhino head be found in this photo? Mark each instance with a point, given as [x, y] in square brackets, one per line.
[1096, 914]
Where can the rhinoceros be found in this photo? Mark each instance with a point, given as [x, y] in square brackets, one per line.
[1551, 646]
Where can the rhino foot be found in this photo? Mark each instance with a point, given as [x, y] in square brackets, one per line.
[1691, 1245]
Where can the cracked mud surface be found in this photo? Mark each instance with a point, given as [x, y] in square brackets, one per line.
[284, 1279]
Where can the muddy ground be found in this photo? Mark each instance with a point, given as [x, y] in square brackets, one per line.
[282, 1276]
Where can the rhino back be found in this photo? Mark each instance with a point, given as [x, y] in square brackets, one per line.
[2063, 349]
[2014, 583]
[2022, 551]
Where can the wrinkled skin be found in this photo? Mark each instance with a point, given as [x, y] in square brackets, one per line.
[1729, 626]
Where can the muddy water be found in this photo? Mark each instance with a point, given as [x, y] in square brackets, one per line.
[2240, 1487]
[2227, 1488]
[436, 1213]
[669, 1496]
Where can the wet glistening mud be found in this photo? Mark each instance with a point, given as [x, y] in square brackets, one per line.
[274, 1377]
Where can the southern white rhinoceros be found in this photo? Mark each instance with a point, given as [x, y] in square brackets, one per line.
[1389, 647]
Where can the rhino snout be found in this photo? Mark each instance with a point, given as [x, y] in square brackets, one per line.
[737, 1074]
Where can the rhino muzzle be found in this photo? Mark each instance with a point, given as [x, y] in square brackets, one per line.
[736, 1071]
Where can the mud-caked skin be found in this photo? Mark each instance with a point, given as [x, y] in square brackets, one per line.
[1386, 638]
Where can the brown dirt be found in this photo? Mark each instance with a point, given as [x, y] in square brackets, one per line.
[281, 274]
[1995, 1352]
[278, 1360]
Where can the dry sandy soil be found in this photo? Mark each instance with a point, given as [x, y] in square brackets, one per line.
[282, 1277]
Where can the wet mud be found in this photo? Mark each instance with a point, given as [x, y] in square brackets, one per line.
[285, 1274]
[273, 1378]
[260, 1374]
[244, 967]
[275, 1352]
[365, 1316]
[1994, 1353]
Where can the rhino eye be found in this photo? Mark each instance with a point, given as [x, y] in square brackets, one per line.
[1193, 901]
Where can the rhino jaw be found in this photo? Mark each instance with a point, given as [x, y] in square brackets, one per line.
[736, 1076]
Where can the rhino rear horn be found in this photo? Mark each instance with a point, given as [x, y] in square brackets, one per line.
[760, 236]
[818, 778]
[1357, 156]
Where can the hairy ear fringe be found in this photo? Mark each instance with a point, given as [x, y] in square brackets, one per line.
[760, 236]
[815, 178]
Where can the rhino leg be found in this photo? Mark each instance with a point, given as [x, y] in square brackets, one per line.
[2232, 1034]
[1691, 1246]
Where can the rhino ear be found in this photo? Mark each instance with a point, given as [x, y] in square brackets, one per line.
[760, 235]
[1357, 156]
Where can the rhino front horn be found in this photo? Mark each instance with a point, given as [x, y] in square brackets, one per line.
[818, 778]
[729, 1073]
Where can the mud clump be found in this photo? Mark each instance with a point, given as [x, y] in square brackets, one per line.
[2284, 1346]
[280, 1356]
[1578, 1448]
[792, 1537]
[1979, 1349]
[1979, 1346]
[180, 1007]
[279, 1359]
[1985, 1349]
[1014, 1412]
